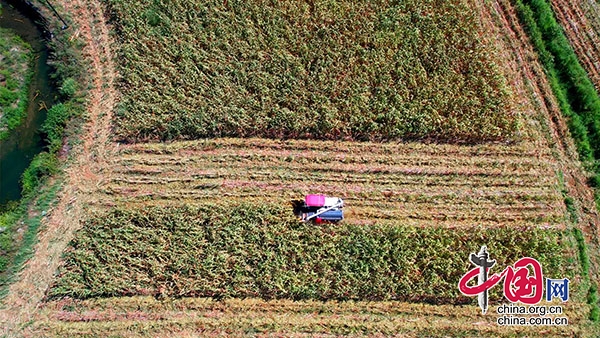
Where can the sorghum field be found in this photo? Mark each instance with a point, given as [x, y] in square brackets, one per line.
[253, 250]
[372, 70]
[435, 121]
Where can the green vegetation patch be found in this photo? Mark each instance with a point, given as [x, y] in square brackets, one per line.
[263, 251]
[18, 227]
[15, 74]
[325, 69]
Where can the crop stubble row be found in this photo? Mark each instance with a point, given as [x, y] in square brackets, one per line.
[379, 182]
[196, 316]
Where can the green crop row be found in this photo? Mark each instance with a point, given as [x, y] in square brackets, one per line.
[325, 69]
[246, 250]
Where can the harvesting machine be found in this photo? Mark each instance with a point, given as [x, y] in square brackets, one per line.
[320, 208]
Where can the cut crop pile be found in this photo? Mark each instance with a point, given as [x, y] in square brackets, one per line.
[249, 250]
[374, 70]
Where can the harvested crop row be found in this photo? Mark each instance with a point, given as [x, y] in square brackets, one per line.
[147, 316]
[591, 10]
[342, 161]
[379, 182]
[364, 148]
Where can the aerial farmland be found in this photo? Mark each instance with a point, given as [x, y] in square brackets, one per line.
[188, 131]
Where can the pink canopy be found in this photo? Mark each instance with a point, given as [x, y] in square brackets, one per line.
[315, 200]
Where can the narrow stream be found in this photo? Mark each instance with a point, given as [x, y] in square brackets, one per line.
[17, 151]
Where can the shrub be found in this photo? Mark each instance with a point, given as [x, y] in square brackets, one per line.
[55, 123]
[43, 165]
[68, 88]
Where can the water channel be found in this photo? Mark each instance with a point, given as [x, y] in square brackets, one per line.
[17, 151]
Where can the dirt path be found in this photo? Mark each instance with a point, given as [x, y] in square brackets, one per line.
[83, 174]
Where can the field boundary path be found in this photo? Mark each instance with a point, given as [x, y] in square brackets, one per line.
[83, 175]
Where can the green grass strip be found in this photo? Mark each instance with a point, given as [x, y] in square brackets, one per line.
[581, 92]
[592, 297]
[582, 249]
[16, 72]
[14, 255]
[263, 251]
